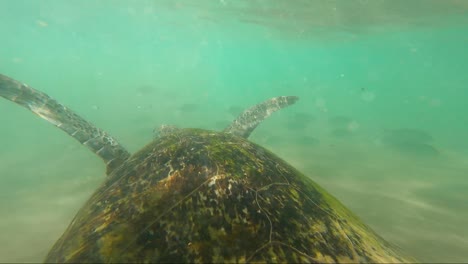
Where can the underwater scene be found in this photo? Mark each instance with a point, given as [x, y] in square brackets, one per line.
[381, 122]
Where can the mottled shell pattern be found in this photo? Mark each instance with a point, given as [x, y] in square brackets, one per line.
[195, 195]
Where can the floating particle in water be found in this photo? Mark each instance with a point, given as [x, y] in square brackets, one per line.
[17, 60]
[41, 23]
[434, 102]
[204, 42]
[377, 142]
[353, 126]
[148, 10]
[321, 104]
[368, 96]
[145, 90]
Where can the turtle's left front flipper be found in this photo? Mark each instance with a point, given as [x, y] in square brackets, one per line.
[100, 142]
[248, 120]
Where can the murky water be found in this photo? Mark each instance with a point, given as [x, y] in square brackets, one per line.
[381, 123]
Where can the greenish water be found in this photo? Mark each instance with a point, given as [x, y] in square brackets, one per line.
[381, 123]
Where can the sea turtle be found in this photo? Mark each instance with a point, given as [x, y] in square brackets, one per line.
[194, 195]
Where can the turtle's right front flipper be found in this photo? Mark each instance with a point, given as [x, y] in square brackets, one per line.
[101, 143]
[248, 120]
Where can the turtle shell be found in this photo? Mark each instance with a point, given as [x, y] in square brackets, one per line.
[203, 196]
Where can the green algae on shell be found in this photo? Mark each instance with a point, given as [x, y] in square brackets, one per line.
[195, 195]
